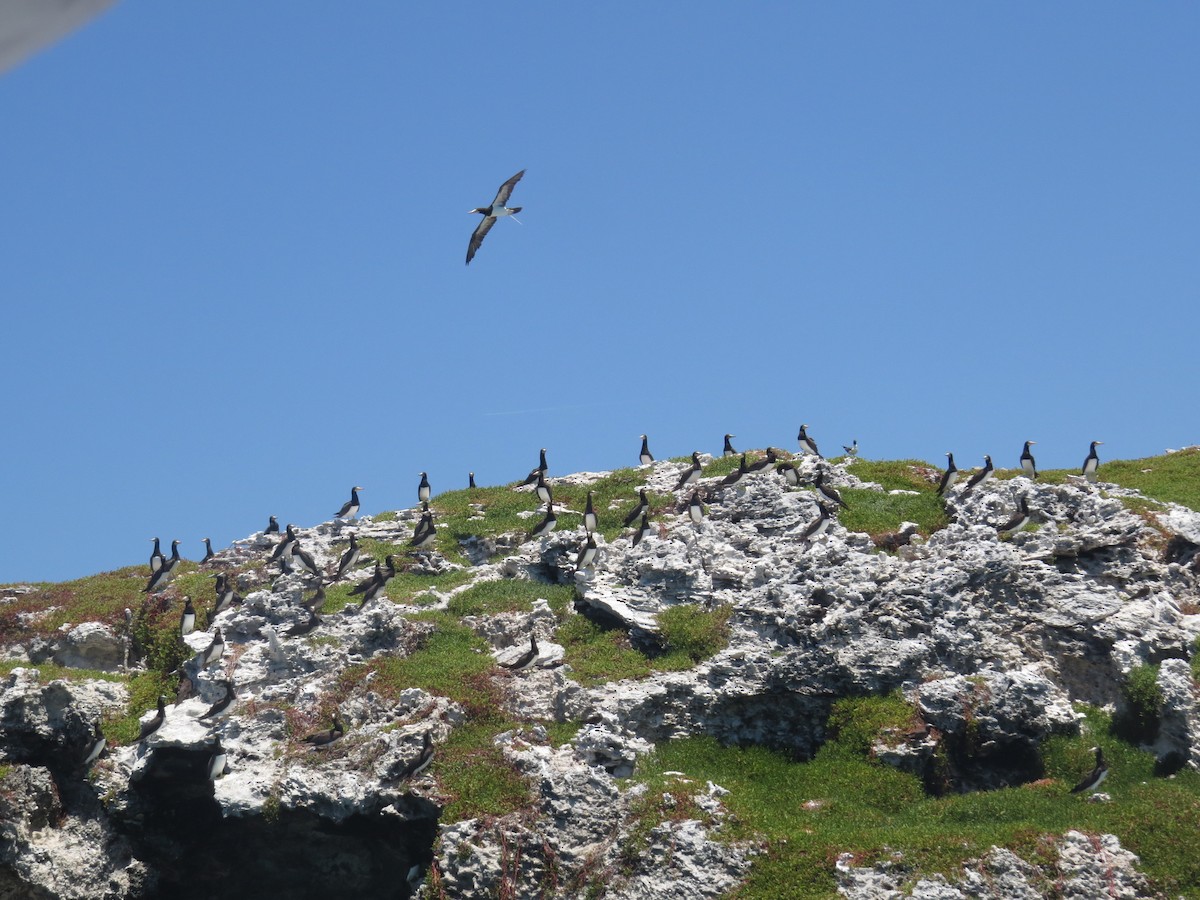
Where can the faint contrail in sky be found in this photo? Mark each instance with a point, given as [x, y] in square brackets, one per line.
[546, 409]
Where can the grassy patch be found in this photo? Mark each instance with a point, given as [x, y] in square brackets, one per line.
[509, 595]
[597, 655]
[453, 662]
[144, 691]
[1138, 718]
[691, 635]
[48, 671]
[474, 774]
[878, 513]
[897, 475]
[559, 733]
[844, 801]
[97, 598]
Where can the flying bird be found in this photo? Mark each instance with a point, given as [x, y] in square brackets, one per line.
[492, 213]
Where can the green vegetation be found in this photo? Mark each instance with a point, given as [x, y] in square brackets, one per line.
[597, 655]
[475, 775]
[1137, 719]
[691, 635]
[144, 691]
[48, 671]
[843, 800]
[878, 513]
[97, 598]
[509, 595]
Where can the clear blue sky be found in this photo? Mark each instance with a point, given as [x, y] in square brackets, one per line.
[232, 239]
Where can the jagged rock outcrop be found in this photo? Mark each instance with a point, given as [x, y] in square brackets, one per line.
[990, 636]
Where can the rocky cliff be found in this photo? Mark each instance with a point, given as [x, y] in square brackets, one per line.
[992, 642]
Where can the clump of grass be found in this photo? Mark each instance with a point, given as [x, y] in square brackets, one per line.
[559, 733]
[879, 513]
[691, 635]
[48, 671]
[898, 475]
[509, 595]
[1137, 717]
[97, 598]
[862, 806]
[476, 777]
[598, 655]
[144, 691]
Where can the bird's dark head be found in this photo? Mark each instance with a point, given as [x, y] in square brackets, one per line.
[482, 210]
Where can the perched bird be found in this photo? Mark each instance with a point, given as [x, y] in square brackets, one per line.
[644, 457]
[852, 450]
[737, 474]
[284, 547]
[491, 213]
[224, 706]
[807, 444]
[728, 450]
[543, 489]
[690, 474]
[639, 508]
[819, 526]
[378, 583]
[790, 473]
[425, 533]
[214, 651]
[542, 468]
[187, 621]
[471, 480]
[316, 601]
[325, 738]
[165, 572]
[979, 477]
[216, 765]
[306, 558]
[589, 515]
[588, 554]
[152, 725]
[226, 595]
[696, 507]
[423, 489]
[1097, 775]
[765, 463]
[350, 508]
[1020, 520]
[272, 526]
[828, 492]
[547, 524]
[949, 476]
[362, 586]
[1027, 463]
[302, 628]
[1092, 463]
[421, 763]
[96, 746]
[156, 557]
[208, 551]
[349, 558]
[526, 659]
[643, 529]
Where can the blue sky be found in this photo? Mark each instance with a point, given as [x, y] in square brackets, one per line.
[232, 240]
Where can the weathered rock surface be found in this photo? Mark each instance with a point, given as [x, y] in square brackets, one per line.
[991, 636]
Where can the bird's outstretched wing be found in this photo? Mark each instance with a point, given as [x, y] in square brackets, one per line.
[478, 236]
[506, 189]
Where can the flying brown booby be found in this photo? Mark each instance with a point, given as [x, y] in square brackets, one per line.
[492, 213]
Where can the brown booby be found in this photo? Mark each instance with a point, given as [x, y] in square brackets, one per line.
[491, 213]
